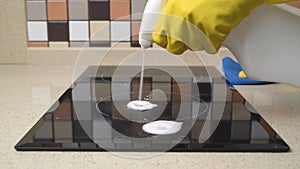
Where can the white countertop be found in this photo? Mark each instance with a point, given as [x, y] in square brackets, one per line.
[28, 91]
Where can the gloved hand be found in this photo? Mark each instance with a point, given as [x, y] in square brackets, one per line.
[200, 24]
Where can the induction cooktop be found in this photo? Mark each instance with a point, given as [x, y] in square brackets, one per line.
[91, 115]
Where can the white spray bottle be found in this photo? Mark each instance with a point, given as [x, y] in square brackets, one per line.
[266, 43]
[151, 13]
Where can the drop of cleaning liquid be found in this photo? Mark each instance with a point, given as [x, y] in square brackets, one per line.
[140, 104]
[162, 127]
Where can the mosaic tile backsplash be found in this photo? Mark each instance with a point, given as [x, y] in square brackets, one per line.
[75, 23]
[91, 23]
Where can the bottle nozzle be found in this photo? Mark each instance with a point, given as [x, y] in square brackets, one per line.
[145, 43]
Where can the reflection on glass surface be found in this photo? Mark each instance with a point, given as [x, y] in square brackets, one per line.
[97, 120]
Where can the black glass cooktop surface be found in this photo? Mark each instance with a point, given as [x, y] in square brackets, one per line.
[92, 114]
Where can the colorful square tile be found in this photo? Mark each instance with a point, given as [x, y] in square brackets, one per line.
[120, 31]
[79, 44]
[37, 31]
[99, 10]
[58, 31]
[135, 44]
[58, 44]
[120, 9]
[135, 29]
[99, 31]
[78, 0]
[120, 45]
[37, 44]
[79, 30]
[57, 10]
[36, 10]
[100, 44]
[137, 9]
[78, 9]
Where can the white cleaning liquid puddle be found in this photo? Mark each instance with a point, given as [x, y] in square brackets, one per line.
[140, 104]
[162, 127]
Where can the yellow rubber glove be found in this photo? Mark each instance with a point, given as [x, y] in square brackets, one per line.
[200, 24]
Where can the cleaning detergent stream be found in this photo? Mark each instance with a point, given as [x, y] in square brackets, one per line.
[141, 105]
[142, 75]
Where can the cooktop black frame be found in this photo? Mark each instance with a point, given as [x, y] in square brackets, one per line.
[76, 139]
